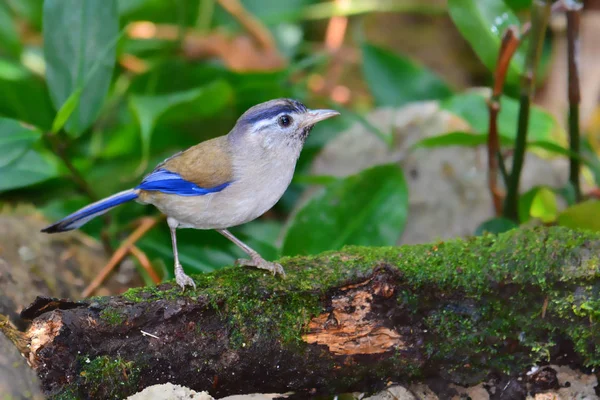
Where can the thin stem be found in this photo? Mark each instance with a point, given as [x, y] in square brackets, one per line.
[573, 21]
[59, 150]
[502, 167]
[540, 15]
[253, 25]
[510, 43]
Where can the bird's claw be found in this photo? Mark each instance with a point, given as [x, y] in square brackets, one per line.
[183, 279]
[261, 263]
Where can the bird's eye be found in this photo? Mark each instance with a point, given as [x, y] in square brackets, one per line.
[285, 121]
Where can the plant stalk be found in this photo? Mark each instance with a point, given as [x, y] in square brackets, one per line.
[540, 13]
[573, 22]
[510, 43]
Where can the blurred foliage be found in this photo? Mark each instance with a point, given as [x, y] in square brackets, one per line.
[118, 86]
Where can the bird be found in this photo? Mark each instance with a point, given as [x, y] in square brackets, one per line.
[222, 182]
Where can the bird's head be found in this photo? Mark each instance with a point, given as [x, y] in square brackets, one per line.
[281, 121]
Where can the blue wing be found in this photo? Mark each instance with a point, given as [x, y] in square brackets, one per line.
[170, 182]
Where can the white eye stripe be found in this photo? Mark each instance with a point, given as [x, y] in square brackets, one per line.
[264, 123]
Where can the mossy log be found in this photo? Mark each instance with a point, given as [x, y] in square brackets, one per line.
[341, 321]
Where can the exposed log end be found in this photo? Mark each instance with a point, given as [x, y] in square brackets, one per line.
[341, 321]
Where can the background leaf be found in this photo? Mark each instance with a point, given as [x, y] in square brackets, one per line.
[466, 139]
[80, 52]
[395, 80]
[66, 110]
[482, 23]
[364, 209]
[544, 206]
[24, 95]
[202, 101]
[9, 38]
[472, 107]
[581, 216]
[495, 226]
[518, 5]
[15, 140]
[31, 168]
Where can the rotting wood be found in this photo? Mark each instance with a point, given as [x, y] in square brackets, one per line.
[342, 321]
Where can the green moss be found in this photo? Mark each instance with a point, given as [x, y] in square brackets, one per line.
[112, 316]
[68, 393]
[539, 262]
[103, 373]
[102, 377]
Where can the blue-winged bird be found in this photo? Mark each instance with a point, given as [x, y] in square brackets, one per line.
[222, 182]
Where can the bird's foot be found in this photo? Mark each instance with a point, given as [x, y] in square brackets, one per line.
[182, 279]
[261, 263]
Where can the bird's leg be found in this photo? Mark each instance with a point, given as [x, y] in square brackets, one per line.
[255, 259]
[180, 277]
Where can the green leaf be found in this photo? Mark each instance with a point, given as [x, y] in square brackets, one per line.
[495, 226]
[558, 149]
[464, 139]
[32, 167]
[395, 80]
[66, 110]
[472, 108]
[128, 6]
[364, 209]
[23, 95]
[29, 10]
[15, 140]
[302, 179]
[80, 51]
[482, 23]
[581, 216]
[9, 38]
[540, 203]
[270, 12]
[525, 201]
[544, 206]
[149, 109]
[519, 5]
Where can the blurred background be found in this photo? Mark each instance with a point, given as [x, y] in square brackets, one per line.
[93, 94]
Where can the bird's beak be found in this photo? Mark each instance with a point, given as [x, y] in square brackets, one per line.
[314, 116]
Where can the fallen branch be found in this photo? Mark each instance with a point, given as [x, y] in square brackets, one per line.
[342, 321]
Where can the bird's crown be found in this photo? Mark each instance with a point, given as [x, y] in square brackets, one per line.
[272, 108]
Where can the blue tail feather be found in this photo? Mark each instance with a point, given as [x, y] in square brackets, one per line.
[87, 213]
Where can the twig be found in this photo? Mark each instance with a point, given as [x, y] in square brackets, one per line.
[573, 11]
[144, 333]
[510, 43]
[540, 12]
[59, 150]
[254, 27]
[145, 225]
[545, 307]
[145, 263]
[336, 29]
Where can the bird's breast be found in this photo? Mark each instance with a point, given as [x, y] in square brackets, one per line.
[255, 188]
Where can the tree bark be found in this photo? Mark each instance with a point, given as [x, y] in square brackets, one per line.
[350, 320]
